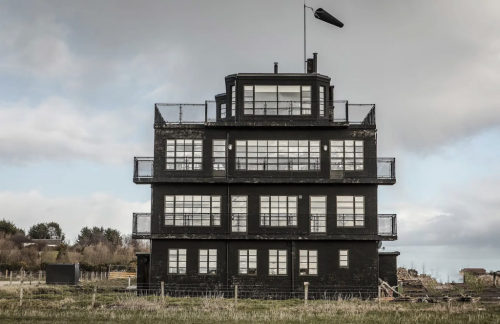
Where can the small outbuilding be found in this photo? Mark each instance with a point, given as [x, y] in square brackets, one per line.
[63, 273]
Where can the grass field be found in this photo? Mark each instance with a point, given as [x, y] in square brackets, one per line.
[65, 304]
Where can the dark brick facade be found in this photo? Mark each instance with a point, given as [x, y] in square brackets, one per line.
[362, 270]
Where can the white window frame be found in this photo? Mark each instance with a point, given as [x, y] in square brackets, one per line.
[207, 261]
[278, 262]
[219, 154]
[344, 258]
[177, 261]
[278, 155]
[233, 100]
[277, 106]
[223, 111]
[318, 211]
[184, 154]
[193, 210]
[278, 211]
[308, 262]
[321, 97]
[347, 155]
[247, 262]
[350, 211]
[239, 213]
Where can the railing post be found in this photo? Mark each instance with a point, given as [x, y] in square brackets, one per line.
[206, 111]
[235, 293]
[347, 111]
[180, 114]
[306, 292]
[162, 285]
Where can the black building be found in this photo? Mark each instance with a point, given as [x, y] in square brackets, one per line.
[273, 184]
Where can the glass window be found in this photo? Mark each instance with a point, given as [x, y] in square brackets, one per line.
[248, 100]
[233, 100]
[306, 100]
[321, 101]
[239, 213]
[346, 155]
[247, 262]
[184, 154]
[344, 258]
[289, 100]
[283, 100]
[219, 154]
[308, 262]
[318, 214]
[350, 211]
[177, 261]
[277, 262]
[196, 210]
[223, 110]
[278, 211]
[208, 261]
[278, 155]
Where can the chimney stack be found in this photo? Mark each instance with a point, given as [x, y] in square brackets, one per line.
[312, 64]
[275, 67]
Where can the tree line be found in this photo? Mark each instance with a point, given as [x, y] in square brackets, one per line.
[95, 248]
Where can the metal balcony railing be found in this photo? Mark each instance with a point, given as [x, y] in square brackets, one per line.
[337, 112]
[387, 225]
[141, 225]
[386, 168]
[143, 168]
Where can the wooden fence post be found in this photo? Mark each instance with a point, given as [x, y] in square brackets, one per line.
[235, 293]
[6, 273]
[21, 296]
[40, 277]
[128, 282]
[11, 277]
[306, 292]
[93, 296]
[162, 285]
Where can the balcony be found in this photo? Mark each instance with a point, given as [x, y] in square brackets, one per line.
[143, 169]
[336, 113]
[387, 227]
[386, 170]
[141, 225]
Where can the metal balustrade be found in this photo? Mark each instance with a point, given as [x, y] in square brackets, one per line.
[386, 168]
[387, 225]
[336, 112]
[141, 225]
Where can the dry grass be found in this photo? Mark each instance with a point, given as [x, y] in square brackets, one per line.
[64, 304]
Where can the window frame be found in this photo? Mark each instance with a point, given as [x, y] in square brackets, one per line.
[233, 214]
[308, 262]
[285, 156]
[279, 264]
[358, 162]
[290, 219]
[177, 261]
[172, 157]
[222, 160]
[207, 263]
[354, 215]
[344, 258]
[250, 105]
[324, 215]
[322, 99]
[223, 110]
[247, 262]
[233, 100]
[171, 217]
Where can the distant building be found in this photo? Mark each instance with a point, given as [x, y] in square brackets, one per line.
[272, 185]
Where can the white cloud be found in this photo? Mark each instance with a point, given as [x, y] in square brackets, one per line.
[57, 129]
[72, 213]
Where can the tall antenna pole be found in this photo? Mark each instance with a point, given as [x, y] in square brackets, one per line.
[305, 61]
[305, 65]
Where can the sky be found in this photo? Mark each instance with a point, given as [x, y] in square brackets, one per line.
[78, 81]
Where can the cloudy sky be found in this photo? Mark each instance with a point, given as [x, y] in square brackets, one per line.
[78, 81]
